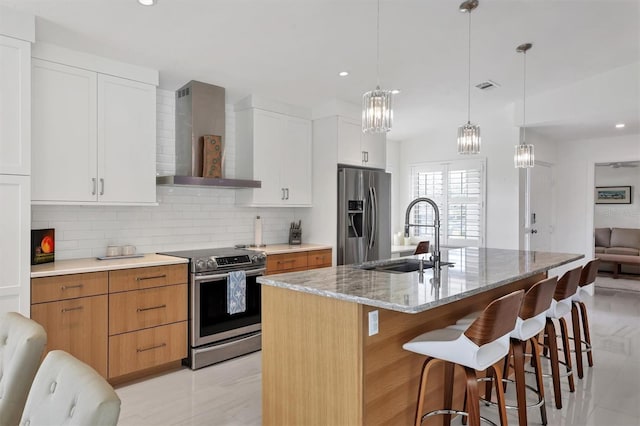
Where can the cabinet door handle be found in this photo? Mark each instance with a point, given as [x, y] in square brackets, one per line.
[363, 157]
[151, 278]
[151, 308]
[71, 309]
[101, 186]
[94, 186]
[69, 287]
[282, 189]
[280, 262]
[287, 193]
[161, 345]
[366, 156]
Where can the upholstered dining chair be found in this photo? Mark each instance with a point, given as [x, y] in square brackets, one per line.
[66, 391]
[21, 345]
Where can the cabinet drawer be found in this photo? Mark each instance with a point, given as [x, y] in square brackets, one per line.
[138, 350]
[286, 262]
[72, 286]
[140, 278]
[319, 258]
[135, 310]
[78, 326]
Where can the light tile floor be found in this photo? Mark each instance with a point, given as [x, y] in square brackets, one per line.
[229, 393]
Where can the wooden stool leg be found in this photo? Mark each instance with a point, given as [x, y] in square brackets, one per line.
[421, 391]
[449, 370]
[505, 367]
[535, 354]
[567, 353]
[577, 339]
[502, 408]
[555, 366]
[585, 328]
[488, 385]
[518, 366]
[473, 397]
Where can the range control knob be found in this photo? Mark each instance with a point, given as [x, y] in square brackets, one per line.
[211, 264]
[200, 264]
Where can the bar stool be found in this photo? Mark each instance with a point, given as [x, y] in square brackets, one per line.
[529, 324]
[561, 306]
[478, 348]
[586, 287]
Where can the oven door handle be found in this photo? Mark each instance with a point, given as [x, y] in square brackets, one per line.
[251, 273]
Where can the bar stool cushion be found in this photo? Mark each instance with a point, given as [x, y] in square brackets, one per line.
[450, 344]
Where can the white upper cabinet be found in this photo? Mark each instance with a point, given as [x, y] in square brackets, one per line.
[274, 148]
[94, 137]
[15, 106]
[360, 149]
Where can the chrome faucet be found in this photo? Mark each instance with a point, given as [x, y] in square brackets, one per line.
[436, 226]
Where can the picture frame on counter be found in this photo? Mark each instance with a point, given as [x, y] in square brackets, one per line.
[613, 195]
[43, 245]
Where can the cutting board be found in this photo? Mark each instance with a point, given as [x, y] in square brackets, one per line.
[212, 156]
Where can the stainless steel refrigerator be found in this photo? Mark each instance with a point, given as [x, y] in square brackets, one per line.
[364, 215]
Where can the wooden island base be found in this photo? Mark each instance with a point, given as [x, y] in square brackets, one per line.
[320, 367]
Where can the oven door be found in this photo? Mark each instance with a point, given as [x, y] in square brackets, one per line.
[210, 320]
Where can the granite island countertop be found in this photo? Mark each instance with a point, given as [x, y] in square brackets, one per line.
[475, 270]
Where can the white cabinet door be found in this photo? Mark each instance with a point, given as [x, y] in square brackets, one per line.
[349, 141]
[15, 106]
[268, 135]
[295, 172]
[15, 247]
[64, 158]
[126, 141]
[375, 150]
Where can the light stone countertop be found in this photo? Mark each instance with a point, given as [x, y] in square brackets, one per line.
[286, 248]
[80, 266]
[475, 270]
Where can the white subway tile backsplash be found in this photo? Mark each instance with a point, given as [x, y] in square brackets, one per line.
[186, 217]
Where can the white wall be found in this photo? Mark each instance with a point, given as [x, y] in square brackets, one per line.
[394, 167]
[499, 137]
[186, 218]
[618, 215]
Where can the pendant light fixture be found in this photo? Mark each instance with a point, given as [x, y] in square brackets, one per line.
[377, 112]
[524, 156]
[469, 134]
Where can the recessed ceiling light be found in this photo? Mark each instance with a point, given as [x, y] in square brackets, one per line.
[147, 2]
[343, 73]
[395, 91]
[619, 125]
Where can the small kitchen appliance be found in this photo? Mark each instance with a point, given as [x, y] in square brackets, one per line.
[215, 334]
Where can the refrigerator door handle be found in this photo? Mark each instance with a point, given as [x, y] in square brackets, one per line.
[374, 216]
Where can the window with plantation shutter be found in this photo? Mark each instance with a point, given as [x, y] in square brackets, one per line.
[457, 187]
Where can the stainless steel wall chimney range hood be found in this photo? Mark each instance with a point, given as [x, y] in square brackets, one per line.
[200, 111]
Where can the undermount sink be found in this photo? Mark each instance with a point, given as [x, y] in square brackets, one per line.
[401, 266]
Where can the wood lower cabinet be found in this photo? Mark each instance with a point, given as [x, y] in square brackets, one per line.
[75, 325]
[298, 261]
[119, 322]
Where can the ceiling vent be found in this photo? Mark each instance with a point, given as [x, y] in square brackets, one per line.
[486, 85]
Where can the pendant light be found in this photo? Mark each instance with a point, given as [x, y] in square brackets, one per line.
[524, 156]
[377, 112]
[469, 134]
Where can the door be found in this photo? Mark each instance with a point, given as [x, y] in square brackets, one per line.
[352, 224]
[63, 153]
[380, 241]
[126, 140]
[349, 136]
[539, 225]
[15, 106]
[268, 132]
[375, 149]
[295, 172]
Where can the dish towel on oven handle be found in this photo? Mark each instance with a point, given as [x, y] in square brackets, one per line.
[236, 292]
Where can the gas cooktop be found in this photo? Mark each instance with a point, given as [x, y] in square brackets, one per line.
[221, 259]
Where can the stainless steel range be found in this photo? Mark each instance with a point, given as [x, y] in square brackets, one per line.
[215, 334]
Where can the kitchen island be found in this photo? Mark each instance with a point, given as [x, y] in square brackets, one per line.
[327, 361]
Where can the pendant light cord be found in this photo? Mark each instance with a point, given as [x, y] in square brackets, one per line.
[378, 47]
[524, 100]
[469, 80]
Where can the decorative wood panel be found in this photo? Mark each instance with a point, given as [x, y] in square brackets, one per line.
[77, 326]
[135, 310]
[63, 287]
[141, 278]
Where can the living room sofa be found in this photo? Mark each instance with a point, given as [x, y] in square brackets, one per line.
[618, 250]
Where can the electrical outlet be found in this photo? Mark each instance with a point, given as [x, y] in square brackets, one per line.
[373, 323]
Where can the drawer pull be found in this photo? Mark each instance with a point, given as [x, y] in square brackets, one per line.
[161, 345]
[71, 309]
[151, 308]
[280, 262]
[151, 278]
[69, 287]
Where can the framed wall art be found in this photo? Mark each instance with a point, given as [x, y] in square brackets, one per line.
[613, 195]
